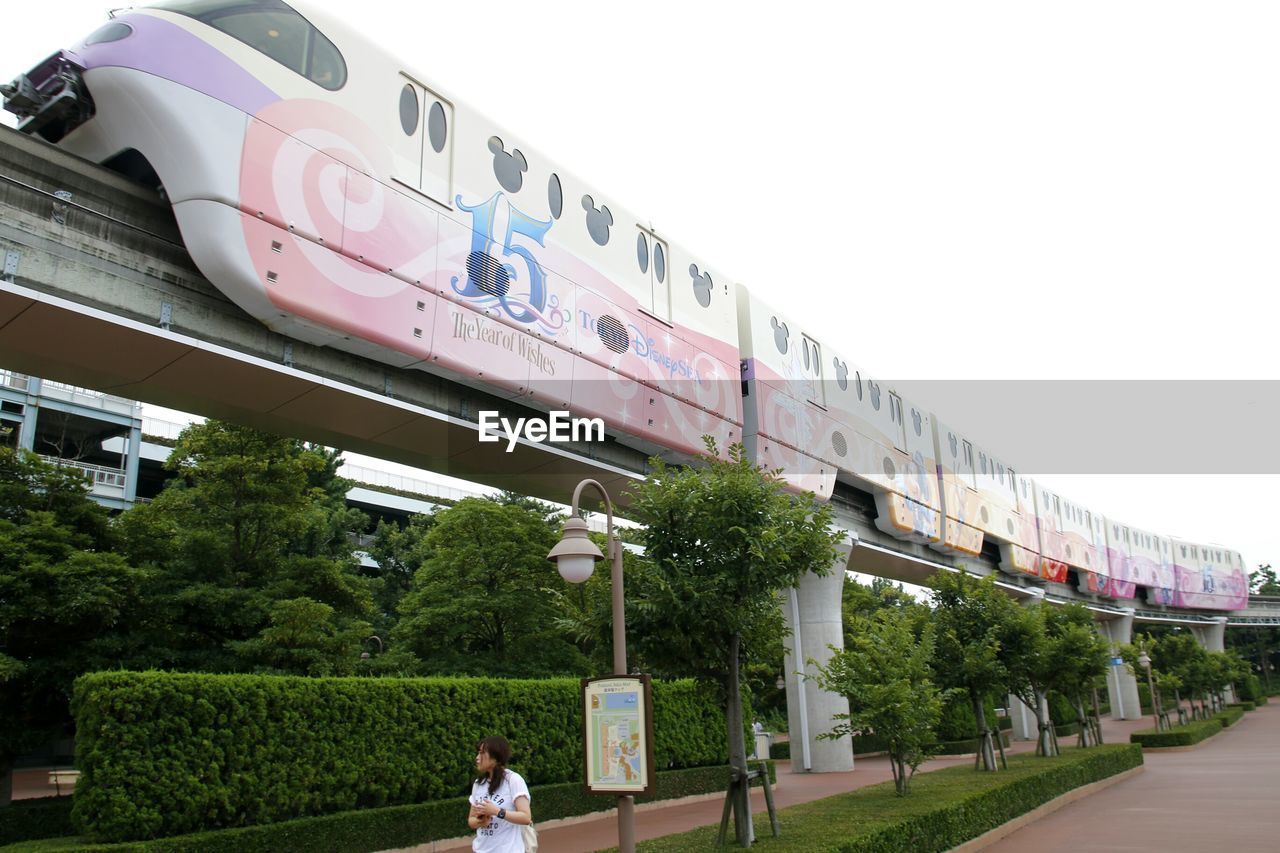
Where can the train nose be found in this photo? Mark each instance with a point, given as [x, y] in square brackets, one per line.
[51, 99]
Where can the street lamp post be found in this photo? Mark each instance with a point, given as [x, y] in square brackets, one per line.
[1145, 662]
[575, 557]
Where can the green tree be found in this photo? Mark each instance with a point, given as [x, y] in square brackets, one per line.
[1264, 581]
[249, 520]
[885, 672]
[1076, 658]
[863, 601]
[65, 600]
[723, 539]
[479, 603]
[1025, 654]
[970, 616]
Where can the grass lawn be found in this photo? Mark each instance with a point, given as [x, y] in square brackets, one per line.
[942, 806]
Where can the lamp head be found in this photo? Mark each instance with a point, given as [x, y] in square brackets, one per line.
[575, 554]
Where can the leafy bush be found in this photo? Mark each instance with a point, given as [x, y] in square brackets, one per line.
[1191, 733]
[1243, 706]
[958, 722]
[1251, 689]
[46, 817]
[171, 753]
[962, 747]
[947, 808]
[367, 830]
[1229, 716]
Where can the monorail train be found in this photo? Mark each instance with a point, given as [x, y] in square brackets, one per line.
[342, 198]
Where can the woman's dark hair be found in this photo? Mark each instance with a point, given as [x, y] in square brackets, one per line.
[499, 750]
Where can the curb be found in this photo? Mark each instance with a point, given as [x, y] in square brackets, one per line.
[1004, 829]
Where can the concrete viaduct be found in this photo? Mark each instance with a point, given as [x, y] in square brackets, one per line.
[98, 290]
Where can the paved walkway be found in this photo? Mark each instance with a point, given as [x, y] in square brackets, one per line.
[1220, 796]
[599, 833]
[1168, 807]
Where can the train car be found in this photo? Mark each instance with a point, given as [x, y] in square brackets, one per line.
[819, 417]
[1208, 577]
[959, 491]
[1161, 590]
[343, 198]
[1144, 559]
[1119, 560]
[1098, 579]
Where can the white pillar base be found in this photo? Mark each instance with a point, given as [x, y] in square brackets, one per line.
[816, 606]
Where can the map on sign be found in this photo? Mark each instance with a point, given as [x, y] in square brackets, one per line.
[616, 735]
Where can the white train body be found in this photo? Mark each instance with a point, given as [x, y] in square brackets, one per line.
[344, 198]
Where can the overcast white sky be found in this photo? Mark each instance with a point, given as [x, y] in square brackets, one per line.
[945, 191]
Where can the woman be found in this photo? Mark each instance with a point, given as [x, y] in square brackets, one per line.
[499, 801]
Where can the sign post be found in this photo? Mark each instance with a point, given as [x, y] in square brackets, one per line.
[617, 735]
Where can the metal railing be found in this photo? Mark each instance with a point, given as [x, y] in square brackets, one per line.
[90, 398]
[159, 428]
[16, 381]
[96, 475]
[426, 488]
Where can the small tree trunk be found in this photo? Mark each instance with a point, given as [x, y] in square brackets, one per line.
[1044, 745]
[1004, 762]
[1097, 719]
[1086, 730]
[738, 749]
[984, 734]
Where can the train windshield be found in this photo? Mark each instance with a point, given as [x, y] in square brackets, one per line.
[274, 28]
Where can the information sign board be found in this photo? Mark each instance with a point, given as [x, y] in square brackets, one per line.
[617, 730]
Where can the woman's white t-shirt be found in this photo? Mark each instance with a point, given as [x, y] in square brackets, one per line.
[500, 836]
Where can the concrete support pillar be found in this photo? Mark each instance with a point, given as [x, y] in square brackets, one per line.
[1024, 719]
[813, 614]
[132, 447]
[1213, 637]
[1122, 684]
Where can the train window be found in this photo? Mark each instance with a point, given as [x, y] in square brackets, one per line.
[813, 371]
[114, 31]
[655, 272]
[555, 196]
[968, 454]
[857, 382]
[421, 156]
[409, 109]
[982, 462]
[437, 127]
[273, 28]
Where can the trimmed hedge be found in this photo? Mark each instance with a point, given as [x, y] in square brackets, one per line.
[1229, 716]
[963, 747]
[1191, 733]
[165, 754]
[369, 830]
[945, 807]
[46, 817]
[1243, 706]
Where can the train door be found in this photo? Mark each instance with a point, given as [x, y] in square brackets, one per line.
[422, 150]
